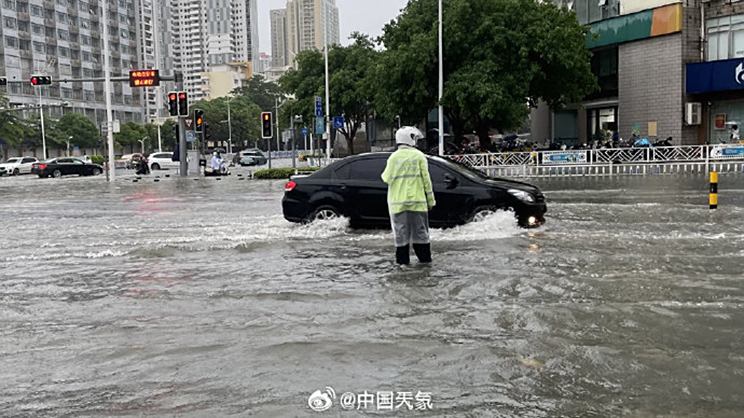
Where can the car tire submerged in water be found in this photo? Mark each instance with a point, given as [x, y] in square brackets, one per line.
[16, 172]
[324, 213]
[96, 172]
[155, 166]
[56, 174]
[481, 213]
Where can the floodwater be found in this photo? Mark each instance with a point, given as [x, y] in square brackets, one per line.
[196, 298]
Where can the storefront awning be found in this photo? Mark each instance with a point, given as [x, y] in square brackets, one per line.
[713, 76]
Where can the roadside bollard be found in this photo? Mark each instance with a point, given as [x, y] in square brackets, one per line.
[713, 197]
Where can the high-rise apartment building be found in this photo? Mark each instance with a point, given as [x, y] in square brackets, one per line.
[310, 24]
[279, 38]
[63, 39]
[211, 35]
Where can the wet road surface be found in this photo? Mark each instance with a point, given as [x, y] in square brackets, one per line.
[196, 298]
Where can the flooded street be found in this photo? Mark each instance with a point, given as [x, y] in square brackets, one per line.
[196, 298]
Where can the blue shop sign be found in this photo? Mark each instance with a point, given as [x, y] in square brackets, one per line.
[705, 77]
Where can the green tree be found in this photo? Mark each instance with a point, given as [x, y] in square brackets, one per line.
[501, 57]
[11, 128]
[352, 80]
[260, 92]
[167, 136]
[129, 135]
[76, 128]
[244, 118]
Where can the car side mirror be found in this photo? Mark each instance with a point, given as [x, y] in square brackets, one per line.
[450, 181]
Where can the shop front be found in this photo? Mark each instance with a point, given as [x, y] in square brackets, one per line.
[719, 87]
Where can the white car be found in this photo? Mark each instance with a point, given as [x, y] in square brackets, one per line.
[162, 161]
[18, 165]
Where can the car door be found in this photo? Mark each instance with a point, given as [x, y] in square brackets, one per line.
[26, 163]
[368, 191]
[453, 193]
[77, 167]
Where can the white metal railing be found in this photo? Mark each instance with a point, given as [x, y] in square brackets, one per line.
[604, 156]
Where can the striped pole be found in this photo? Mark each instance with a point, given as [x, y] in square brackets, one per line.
[713, 197]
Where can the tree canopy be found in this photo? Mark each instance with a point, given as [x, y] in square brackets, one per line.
[500, 57]
[352, 80]
[76, 127]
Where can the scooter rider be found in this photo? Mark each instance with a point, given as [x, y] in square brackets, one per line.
[410, 196]
[216, 163]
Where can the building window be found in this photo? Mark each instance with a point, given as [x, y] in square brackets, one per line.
[725, 37]
[10, 22]
[63, 34]
[39, 47]
[22, 7]
[37, 29]
[9, 4]
[589, 11]
[36, 10]
[11, 42]
[605, 67]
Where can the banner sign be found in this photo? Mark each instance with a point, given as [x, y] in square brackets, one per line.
[727, 151]
[724, 75]
[563, 157]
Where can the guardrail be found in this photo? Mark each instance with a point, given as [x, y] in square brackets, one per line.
[606, 160]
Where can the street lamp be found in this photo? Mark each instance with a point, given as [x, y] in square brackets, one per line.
[69, 138]
[441, 84]
[142, 143]
[229, 127]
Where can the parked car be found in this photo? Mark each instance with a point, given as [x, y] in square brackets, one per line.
[162, 161]
[250, 157]
[18, 165]
[353, 188]
[64, 166]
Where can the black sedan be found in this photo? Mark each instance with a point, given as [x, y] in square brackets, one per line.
[353, 188]
[64, 166]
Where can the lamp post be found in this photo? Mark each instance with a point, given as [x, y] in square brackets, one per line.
[229, 127]
[327, 86]
[441, 84]
[69, 138]
[43, 133]
[107, 90]
[142, 143]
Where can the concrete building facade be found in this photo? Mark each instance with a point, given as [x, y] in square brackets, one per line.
[279, 38]
[63, 39]
[642, 52]
[307, 23]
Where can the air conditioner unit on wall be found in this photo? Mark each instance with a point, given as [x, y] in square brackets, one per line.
[694, 113]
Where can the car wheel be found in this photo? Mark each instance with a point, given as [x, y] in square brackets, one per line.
[324, 213]
[96, 171]
[481, 213]
[16, 172]
[56, 174]
[155, 166]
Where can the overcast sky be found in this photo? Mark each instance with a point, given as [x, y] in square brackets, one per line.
[366, 16]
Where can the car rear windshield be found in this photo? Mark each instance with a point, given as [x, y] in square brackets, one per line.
[461, 168]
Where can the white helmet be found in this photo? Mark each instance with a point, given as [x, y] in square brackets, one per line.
[408, 135]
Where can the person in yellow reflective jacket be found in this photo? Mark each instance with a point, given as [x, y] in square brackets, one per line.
[410, 197]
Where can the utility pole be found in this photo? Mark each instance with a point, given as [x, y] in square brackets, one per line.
[229, 128]
[441, 84]
[327, 86]
[43, 134]
[107, 92]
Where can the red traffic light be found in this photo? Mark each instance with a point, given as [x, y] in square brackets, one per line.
[172, 97]
[41, 80]
[182, 95]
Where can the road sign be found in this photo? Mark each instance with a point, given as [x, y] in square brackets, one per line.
[190, 136]
[318, 106]
[144, 78]
[338, 122]
[319, 126]
[305, 131]
[117, 126]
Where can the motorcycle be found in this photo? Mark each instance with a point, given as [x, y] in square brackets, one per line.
[141, 167]
[211, 172]
[665, 143]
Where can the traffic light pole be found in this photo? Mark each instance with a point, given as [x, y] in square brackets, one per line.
[43, 134]
[183, 164]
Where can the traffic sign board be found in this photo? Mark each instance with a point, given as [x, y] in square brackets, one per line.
[338, 122]
[304, 131]
[319, 126]
[318, 106]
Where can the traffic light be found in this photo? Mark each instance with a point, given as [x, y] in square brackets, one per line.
[267, 127]
[41, 80]
[198, 121]
[173, 103]
[183, 103]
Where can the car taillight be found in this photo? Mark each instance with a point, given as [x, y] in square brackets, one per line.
[42, 166]
[290, 186]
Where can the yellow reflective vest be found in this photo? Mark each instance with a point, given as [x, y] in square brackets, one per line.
[409, 183]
